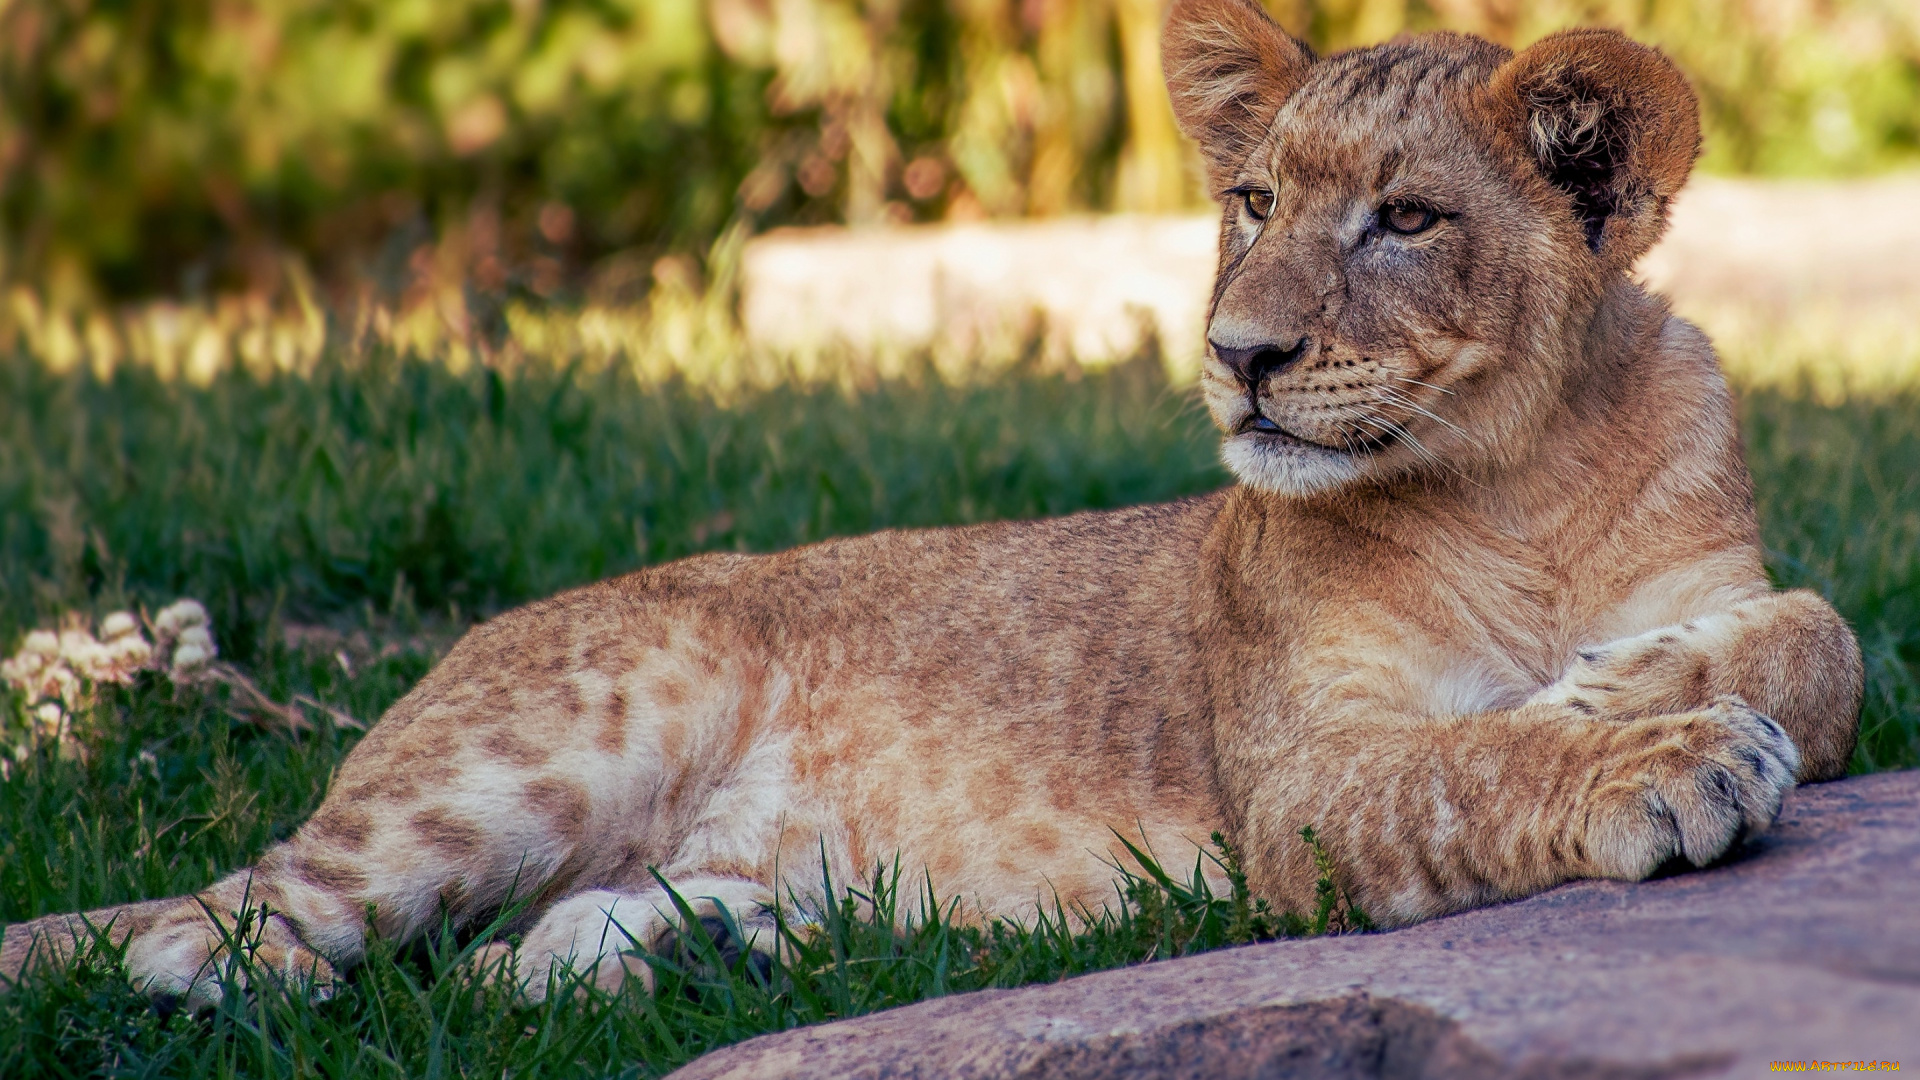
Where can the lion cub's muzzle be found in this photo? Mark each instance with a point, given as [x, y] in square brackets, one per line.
[1281, 412]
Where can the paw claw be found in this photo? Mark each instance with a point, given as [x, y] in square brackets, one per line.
[1695, 785]
[1657, 673]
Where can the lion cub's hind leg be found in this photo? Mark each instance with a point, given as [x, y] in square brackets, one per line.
[600, 934]
[183, 958]
[181, 951]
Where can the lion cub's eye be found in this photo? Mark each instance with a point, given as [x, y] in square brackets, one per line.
[1259, 202]
[1407, 218]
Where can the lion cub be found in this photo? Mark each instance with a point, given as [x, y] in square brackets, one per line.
[1486, 608]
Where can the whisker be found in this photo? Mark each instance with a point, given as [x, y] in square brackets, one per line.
[1388, 427]
[1346, 440]
[1428, 385]
[1401, 433]
[1412, 441]
[1395, 397]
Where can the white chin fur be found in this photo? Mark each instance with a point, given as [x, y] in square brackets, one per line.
[1287, 468]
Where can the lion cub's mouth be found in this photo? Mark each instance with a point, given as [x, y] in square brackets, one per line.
[1260, 425]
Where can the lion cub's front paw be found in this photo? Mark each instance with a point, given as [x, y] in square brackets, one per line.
[1693, 785]
[1663, 671]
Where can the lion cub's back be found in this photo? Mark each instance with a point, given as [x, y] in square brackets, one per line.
[1068, 615]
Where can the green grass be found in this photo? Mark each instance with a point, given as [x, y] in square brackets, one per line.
[1839, 496]
[389, 503]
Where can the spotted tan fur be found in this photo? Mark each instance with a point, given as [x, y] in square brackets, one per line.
[1487, 608]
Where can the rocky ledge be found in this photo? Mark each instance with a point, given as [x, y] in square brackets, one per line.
[1804, 948]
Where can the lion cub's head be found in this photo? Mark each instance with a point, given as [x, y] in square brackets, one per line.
[1416, 236]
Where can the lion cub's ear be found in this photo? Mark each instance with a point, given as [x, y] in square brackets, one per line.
[1610, 122]
[1229, 69]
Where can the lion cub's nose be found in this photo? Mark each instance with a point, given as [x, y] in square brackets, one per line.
[1256, 362]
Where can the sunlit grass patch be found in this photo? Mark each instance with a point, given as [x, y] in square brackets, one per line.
[1827, 351]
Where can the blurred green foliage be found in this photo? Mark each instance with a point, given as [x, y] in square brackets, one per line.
[185, 146]
[190, 144]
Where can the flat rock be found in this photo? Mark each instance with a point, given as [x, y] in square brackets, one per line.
[1803, 948]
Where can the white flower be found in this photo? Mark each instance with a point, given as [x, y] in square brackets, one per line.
[40, 669]
[101, 662]
[120, 660]
[193, 649]
[130, 652]
[188, 658]
[178, 616]
[20, 670]
[78, 648]
[53, 718]
[50, 666]
[57, 671]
